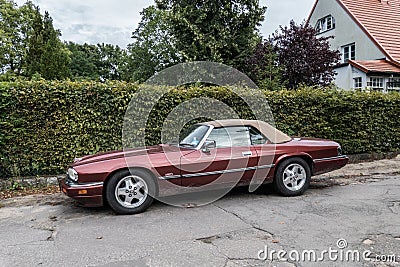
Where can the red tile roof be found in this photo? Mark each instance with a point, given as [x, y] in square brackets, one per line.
[380, 19]
[375, 66]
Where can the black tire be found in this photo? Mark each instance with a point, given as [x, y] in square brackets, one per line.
[292, 178]
[131, 185]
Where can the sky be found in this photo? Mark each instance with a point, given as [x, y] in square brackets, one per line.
[106, 21]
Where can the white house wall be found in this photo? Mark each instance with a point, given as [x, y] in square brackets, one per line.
[346, 74]
[346, 31]
[355, 73]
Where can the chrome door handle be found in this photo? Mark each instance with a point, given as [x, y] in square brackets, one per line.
[247, 153]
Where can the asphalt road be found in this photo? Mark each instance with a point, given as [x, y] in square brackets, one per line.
[362, 213]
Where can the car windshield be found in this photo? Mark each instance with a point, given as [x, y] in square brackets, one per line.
[192, 136]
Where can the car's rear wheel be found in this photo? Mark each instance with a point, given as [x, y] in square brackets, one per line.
[292, 178]
[130, 192]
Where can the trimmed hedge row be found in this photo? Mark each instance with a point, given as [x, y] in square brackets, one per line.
[44, 124]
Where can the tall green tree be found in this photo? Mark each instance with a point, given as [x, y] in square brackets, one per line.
[13, 32]
[153, 47]
[29, 44]
[46, 54]
[216, 30]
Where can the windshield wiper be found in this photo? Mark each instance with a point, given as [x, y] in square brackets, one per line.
[186, 144]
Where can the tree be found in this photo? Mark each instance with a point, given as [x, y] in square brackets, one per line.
[13, 32]
[29, 44]
[85, 61]
[97, 62]
[153, 48]
[222, 31]
[263, 67]
[112, 61]
[306, 58]
[46, 54]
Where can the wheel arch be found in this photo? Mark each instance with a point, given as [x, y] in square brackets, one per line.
[306, 157]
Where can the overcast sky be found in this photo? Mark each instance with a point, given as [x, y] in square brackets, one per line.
[106, 21]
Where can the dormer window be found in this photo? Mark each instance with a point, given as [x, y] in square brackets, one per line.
[325, 24]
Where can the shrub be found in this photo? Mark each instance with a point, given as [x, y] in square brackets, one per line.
[44, 124]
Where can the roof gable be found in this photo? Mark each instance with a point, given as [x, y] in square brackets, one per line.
[379, 19]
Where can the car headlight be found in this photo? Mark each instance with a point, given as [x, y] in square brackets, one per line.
[72, 174]
[339, 151]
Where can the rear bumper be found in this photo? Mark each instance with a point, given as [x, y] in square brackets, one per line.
[329, 164]
[87, 195]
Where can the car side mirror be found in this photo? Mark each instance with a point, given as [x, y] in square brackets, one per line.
[208, 145]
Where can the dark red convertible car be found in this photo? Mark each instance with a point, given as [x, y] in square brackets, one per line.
[209, 155]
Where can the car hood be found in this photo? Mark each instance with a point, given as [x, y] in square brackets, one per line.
[127, 153]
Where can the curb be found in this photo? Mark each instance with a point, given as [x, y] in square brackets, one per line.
[365, 157]
[31, 181]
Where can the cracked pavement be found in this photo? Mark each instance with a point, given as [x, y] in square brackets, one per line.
[358, 204]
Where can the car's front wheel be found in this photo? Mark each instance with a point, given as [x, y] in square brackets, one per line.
[292, 177]
[130, 192]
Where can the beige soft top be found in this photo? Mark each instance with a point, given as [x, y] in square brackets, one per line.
[273, 134]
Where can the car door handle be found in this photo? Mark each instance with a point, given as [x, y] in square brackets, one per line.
[247, 153]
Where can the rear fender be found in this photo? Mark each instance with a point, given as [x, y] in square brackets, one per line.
[302, 155]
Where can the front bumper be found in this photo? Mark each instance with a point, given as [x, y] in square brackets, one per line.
[329, 164]
[87, 194]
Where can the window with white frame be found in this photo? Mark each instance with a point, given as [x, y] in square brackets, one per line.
[325, 24]
[349, 52]
[393, 83]
[357, 82]
[376, 83]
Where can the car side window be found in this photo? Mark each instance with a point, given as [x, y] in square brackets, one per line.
[231, 136]
[256, 137]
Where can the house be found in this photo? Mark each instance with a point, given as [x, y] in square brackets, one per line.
[367, 33]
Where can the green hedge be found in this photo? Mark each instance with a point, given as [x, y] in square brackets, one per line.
[44, 125]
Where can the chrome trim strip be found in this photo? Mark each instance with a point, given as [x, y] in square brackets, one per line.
[83, 185]
[331, 158]
[169, 177]
[216, 172]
